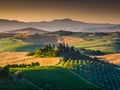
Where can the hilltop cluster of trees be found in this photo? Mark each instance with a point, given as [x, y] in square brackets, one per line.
[4, 72]
[47, 51]
[61, 50]
[70, 53]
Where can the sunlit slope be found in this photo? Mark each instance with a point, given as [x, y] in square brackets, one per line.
[21, 57]
[113, 58]
[96, 45]
[8, 44]
[69, 40]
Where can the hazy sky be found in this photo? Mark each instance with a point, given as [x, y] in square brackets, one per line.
[103, 11]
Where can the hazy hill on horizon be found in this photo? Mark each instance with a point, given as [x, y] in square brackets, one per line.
[29, 31]
[59, 24]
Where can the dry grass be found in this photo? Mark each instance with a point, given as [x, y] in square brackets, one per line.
[69, 40]
[20, 57]
[113, 58]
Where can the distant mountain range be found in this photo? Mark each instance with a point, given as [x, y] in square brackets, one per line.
[61, 24]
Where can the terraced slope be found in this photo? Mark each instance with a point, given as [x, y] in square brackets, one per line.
[100, 73]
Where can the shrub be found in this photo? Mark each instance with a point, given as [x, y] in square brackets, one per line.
[30, 53]
[4, 72]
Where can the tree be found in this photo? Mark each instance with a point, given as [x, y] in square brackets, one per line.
[4, 72]
[18, 75]
[72, 49]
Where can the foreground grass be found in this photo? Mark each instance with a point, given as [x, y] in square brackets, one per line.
[57, 77]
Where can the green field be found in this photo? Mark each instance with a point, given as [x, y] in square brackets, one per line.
[9, 44]
[103, 43]
[96, 45]
[57, 77]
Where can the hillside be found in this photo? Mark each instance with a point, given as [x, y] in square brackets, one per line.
[69, 40]
[92, 73]
[57, 78]
[21, 57]
[29, 31]
[107, 42]
[11, 44]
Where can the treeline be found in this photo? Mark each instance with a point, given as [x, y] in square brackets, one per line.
[62, 33]
[33, 64]
[92, 52]
[4, 72]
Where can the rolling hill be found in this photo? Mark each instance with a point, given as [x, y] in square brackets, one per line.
[59, 24]
[29, 31]
[69, 40]
[106, 42]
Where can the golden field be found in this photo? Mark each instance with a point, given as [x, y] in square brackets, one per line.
[21, 57]
[113, 58]
[69, 39]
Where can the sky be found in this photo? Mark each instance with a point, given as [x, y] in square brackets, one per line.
[92, 11]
